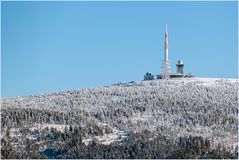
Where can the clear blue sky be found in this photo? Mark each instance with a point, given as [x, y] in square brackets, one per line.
[53, 46]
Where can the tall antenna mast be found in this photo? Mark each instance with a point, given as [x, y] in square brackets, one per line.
[165, 74]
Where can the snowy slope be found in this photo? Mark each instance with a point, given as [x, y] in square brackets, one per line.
[175, 108]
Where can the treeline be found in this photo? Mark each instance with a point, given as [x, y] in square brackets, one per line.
[68, 145]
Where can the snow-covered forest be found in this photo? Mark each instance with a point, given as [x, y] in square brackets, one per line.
[177, 118]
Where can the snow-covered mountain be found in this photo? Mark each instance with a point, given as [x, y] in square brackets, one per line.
[177, 110]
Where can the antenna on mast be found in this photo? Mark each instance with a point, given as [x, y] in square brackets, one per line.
[166, 71]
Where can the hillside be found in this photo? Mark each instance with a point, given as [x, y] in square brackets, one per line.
[177, 118]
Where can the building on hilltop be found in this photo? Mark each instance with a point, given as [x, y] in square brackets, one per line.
[165, 73]
[180, 66]
[148, 76]
[178, 74]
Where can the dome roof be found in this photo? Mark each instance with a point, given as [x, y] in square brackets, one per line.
[180, 62]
